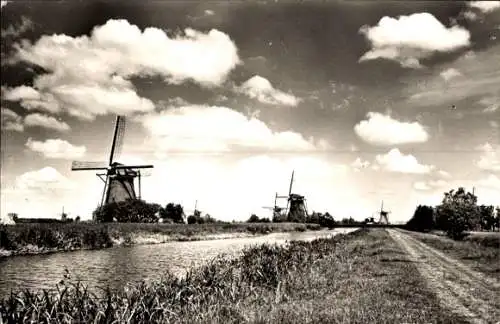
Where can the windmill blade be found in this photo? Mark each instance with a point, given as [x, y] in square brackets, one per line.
[117, 138]
[86, 165]
[291, 183]
[133, 167]
[120, 137]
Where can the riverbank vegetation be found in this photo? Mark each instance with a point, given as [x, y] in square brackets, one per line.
[34, 238]
[361, 277]
[457, 215]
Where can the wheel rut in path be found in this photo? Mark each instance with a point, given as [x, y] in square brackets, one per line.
[459, 289]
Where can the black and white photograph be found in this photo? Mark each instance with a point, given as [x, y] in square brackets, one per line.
[250, 161]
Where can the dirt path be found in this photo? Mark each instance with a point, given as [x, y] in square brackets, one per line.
[461, 290]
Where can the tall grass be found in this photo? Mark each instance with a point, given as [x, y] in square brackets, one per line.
[340, 279]
[40, 238]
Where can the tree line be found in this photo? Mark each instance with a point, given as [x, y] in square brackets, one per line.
[457, 214]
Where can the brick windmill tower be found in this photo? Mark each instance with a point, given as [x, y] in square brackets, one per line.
[119, 178]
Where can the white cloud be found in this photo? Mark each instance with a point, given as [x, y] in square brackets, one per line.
[407, 39]
[261, 89]
[113, 53]
[359, 164]
[492, 182]
[491, 103]
[46, 122]
[444, 174]
[480, 79]
[484, 6]
[45, 178]
[14, 31]
[470, 15]
[11, 120]
[56, 149]
[380, 129]
[450, 73]
[490, 159]
[32, 99]
[429, 185]
[218, 129]
[395, 161]
[209, 12]
[3, 3]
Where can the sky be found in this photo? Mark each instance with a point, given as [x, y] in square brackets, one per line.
[367, 101]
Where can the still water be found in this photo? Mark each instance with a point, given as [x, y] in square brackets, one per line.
[119, 266]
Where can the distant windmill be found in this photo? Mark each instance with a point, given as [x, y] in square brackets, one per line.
[384, 219]
[276, 209]
[119, 178]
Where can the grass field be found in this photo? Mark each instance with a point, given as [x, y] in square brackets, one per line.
[43, 238]
[480, 250]
[362, 277]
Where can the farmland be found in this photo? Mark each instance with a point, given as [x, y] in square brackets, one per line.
[28, 238]
[362, 277]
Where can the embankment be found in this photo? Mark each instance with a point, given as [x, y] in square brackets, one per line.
[25, 239]
[361, 277]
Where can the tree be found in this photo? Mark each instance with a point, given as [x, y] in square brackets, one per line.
[487, 220]
[173, 212]
[128, 211]
[253, 219]
[422, 220]
[457, 213]
[77, 219]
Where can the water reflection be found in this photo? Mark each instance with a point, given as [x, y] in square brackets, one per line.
[121, 265]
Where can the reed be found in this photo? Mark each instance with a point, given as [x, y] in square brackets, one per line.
[357, 277]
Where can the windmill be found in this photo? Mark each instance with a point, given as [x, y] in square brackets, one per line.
[118, 178]
[276, 209]
[296, 209]
[383, 215]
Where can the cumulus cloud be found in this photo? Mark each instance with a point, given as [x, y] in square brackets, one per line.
[56, 149]
[484, 6]
[113, 53]
[395, 161]
[359, 164]
[3, 3]
[44, 179]
[490, 158]
[46, 122]
[261, 89]
[11, 121]
[380, 129]
[449, 74]
[219, 129]
[407, 39]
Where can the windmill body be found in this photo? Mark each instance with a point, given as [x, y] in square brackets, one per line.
[384, 219]
[118, 178]
[296, 209]
[120, 185]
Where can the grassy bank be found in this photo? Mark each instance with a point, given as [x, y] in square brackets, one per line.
[362, 277]
[481, 251]
[22, 239]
